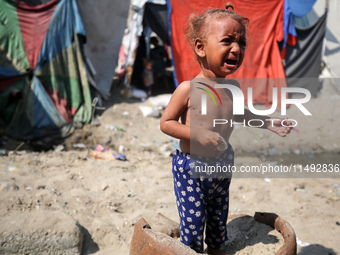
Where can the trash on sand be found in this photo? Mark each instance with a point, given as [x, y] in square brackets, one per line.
[138, 93]
[108, 155]
[161, 100]
[59, 148]
[121, 149]
[119, 156]
[99, 148]
[131, 193]
[115, 128]
[13, 169]
[302, 244]
[149, 111]
[267, 180]
[103, 155]
[78, 145]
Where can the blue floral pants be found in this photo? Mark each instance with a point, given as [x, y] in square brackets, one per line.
[202, 198]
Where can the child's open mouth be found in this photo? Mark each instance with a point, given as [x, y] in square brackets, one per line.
[231, 63]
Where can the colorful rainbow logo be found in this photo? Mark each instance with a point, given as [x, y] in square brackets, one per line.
[209, 93]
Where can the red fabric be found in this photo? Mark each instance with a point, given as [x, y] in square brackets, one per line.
[262, 58]
[291, 40]
[34, 21]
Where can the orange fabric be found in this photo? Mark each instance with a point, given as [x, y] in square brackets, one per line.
[262, 58]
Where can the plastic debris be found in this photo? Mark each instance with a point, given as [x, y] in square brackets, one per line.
[99, 148]
[131, 193]
[138, 93]
[119, 156]
[267, 180]
[59, 148]
[223, 146]
[161, 100]
[13, 169]
[302, 244]
[102, 155]
[78, 145]
[106, 153]
[121, 149]
[149, 111]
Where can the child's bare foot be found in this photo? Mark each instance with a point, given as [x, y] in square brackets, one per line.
[211, 251]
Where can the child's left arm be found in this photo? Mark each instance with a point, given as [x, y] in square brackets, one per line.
[280, 126]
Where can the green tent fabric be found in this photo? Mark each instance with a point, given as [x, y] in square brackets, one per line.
[43, 82]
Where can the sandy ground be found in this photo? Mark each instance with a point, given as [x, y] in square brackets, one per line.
[107, 197]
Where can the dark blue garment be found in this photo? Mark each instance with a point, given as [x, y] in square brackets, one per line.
[202, 201]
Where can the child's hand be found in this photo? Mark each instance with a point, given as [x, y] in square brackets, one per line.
[209, 138]
[278, 126]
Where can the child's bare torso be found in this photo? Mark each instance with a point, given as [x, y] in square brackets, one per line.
[193, 117]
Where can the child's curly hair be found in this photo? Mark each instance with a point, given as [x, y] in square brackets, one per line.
[196, 22]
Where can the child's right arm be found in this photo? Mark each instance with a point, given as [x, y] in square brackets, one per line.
[179, 103]
[170, 125]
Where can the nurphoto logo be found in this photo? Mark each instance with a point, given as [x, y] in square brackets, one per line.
[238, 103]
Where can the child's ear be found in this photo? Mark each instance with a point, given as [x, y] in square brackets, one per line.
[199, 48]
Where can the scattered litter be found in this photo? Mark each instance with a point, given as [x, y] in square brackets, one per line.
[121, 149]
[337, 223]
[138, 93]
[103, 155]
[119, 156]
[126, 113]
[130, 193]
[106, 153]
[149, 111]
[13, 169]
[302, 244]
[267, 180]
[115, 128]
[110, 127]
[59, 148]
[161, 100]
[99, 148]
[28, 188]
[78, 145]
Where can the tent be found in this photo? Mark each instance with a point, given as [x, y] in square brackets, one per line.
[44, 88]
[104, 22]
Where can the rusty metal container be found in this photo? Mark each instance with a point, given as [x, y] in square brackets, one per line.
[161, 237]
